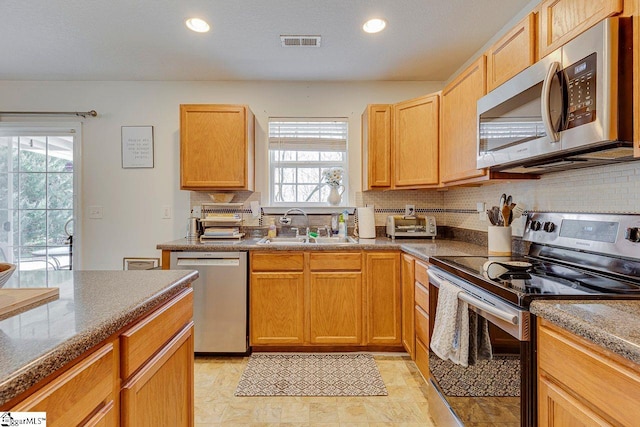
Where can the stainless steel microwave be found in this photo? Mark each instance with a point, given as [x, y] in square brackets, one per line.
[571, 109]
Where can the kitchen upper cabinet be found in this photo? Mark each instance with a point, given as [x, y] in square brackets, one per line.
[376, 146]
[415, 146]
[458, 142]
[562, 20]
[408, 279]
[383, 298]
[276, 298]
[216, 147]
[514, 52]
[599, 388]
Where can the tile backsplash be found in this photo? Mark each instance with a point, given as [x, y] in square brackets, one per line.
[602, 189]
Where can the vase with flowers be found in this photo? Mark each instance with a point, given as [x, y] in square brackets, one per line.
[332, 177]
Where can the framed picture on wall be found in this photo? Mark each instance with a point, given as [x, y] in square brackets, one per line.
[137, 146]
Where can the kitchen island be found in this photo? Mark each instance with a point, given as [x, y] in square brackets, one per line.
[106, 317]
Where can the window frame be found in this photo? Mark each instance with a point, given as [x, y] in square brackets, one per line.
[273, 165]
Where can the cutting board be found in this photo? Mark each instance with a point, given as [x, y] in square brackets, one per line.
[14, 301]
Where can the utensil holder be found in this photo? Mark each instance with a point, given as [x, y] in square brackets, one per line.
[499, 240]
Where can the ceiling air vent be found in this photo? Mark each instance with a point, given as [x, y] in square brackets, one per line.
[300, 41]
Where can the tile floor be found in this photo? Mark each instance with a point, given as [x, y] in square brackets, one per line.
[216, 379]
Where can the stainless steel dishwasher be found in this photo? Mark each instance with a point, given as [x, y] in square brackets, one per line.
[219, 299]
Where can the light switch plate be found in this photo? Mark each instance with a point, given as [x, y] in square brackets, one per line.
[95, 212]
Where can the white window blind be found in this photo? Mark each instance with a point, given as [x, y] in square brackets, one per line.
[300, 149]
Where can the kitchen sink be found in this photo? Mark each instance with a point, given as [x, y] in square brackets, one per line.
[304, 241]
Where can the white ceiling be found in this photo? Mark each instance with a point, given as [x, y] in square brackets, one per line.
[147, 39]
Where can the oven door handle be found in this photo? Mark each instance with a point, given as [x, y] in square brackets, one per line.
[478, 303]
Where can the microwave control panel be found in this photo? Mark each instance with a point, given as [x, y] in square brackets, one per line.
[581, 92]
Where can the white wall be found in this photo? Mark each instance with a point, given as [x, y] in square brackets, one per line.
[132, 199]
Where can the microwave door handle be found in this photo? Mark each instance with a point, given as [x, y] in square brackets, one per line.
[546, 101]
[507, 317]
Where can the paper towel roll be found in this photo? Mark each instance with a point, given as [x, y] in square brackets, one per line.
[366, 223]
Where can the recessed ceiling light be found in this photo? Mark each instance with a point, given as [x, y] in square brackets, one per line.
[374, 25]
[198, 25]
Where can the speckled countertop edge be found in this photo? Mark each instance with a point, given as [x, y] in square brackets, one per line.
[613, 325]
[420, 248]
[70, 349]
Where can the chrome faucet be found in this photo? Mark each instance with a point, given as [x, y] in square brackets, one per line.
[285, 220]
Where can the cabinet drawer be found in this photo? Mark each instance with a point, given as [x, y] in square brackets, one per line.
[338, 261]
[422, 358]
[421, 273]
[422, 326]
[77, 393]
[597, 377]
[286, 261]
[422, 297]
[142, 341]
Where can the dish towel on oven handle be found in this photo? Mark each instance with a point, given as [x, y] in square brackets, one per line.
[450, 338]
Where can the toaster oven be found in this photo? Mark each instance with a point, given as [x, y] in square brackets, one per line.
[415, 226]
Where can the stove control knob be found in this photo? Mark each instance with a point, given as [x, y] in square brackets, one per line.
[536, 225]
[632, 234]
[549, 227]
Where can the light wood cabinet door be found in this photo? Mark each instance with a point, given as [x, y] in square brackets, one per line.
[276, 307]
[600, 388]
[562, 20]
[558, 408]
[161, 393]
[514, 52]
[415, 145]
[458, 141]
[335, 308]
[216, 147]
[376, 147]
[82, 390]
[383, 296]
[408, 327]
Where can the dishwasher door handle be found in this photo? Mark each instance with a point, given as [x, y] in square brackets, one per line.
[221, 262]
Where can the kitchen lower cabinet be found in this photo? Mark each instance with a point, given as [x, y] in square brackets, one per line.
[339, 299]
[407, 278]
[421, 316]
[88, 387]
[276, 301]
[335, 308]
[161, 393]
[142, 375]
[583, 384]
[384, 312]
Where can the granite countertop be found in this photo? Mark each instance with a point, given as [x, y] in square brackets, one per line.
[92, 306]
[614, 325]
[420, 248]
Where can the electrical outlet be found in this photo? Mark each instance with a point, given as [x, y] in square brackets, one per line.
[197, 211]
[166, 212]
[95, 212]
[482, 213]
[409, 210]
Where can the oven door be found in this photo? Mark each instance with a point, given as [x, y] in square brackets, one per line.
[497, 385]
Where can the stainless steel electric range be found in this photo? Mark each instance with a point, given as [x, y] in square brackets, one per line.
[572, 256]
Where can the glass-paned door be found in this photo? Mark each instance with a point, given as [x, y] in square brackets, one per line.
[37, 200]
